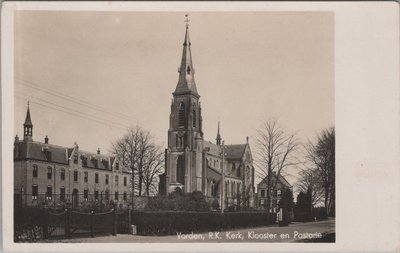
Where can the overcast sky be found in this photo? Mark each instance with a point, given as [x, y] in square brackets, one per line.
[120, 68]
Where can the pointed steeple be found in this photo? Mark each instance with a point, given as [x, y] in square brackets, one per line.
[28, 121]
[186, 83]
[28, 126]
[218, 139]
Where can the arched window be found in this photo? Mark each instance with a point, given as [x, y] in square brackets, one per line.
[180, 169]
[194, 115]
[182, 114]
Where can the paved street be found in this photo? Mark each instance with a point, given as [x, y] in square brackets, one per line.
[294, 232]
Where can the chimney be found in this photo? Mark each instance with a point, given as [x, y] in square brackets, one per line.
[98, 151]
[46, 140]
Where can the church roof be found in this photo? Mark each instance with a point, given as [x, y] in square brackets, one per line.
[186, 83]
[235, 151]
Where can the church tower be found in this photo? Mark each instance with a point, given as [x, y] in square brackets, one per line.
[185, 136]
[28, 126]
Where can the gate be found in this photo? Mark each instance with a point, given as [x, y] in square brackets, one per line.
[55, 224]
[33, 224]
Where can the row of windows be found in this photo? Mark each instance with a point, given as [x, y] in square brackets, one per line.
[49, 194]
[277, 193]
[85, 178]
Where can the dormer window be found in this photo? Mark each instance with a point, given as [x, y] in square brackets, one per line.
[84, 161]
[76, 158]
[47, 154]
[117, 166]
[188, 70]
[96, 163]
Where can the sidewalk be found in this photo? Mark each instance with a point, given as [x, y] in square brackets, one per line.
[294, 232]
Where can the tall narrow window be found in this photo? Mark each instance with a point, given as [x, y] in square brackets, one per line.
[194, 115]
[125, 181]
[62, 194]
[107, 179]
[34, 192]
[62, 175]
[180, 169]
[75, 176]
[49, 193]
[96, 178]
[181, 114]
[116, 195]
[117, 166]
[96, 195]
[49, 172]
[107, 195]
[116, 180]
[86, 177]
[125, 196]
[86, 194]
[35, 171]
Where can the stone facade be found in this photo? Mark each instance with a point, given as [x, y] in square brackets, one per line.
[47, 173]
[281, 185]
[193, 164]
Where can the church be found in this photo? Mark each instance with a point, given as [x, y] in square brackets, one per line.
[223, 173]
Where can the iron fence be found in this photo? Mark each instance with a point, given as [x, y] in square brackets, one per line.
[35, 224]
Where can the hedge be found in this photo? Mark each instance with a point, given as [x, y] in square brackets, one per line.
[171, 222]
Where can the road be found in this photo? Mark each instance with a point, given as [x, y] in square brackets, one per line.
[294, 232]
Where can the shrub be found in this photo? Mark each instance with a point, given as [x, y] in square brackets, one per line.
[171, 222]
[177, 200]
[320, 213]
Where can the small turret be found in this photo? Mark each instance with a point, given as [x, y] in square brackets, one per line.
[28, 126]
[218, 139]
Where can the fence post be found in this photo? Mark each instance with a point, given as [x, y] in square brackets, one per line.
[91, 223]
[45, 223]
[114, 232]
[66, 223]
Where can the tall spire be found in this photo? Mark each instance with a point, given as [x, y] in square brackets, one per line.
[28, 121]
[186, 83]
[28, 126]
[218, 136]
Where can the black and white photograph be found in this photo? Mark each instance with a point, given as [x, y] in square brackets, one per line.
[181, 126]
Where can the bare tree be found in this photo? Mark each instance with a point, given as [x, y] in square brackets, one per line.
[152, 169]
[309, 179]
[322, 155]
[275, 151]
[139, 154]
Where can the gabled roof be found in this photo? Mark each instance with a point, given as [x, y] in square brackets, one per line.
[235, 151]
[103, 161]
[37, 151]
[282, 180]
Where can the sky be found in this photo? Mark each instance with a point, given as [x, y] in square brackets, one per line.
[90, 75]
